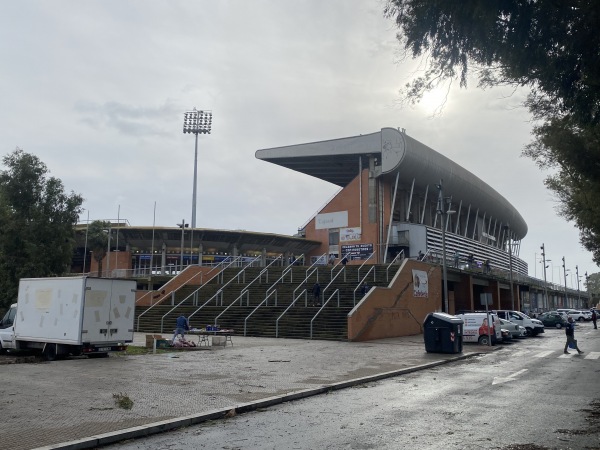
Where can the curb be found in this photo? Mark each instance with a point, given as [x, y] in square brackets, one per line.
[194, 419]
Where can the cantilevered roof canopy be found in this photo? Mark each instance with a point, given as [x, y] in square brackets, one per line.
[338, 161]
[222, 240]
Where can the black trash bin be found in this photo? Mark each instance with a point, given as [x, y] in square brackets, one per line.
[442, 333]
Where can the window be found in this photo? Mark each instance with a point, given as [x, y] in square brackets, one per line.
[334, 237]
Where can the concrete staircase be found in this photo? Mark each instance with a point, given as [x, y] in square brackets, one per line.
[232, 299]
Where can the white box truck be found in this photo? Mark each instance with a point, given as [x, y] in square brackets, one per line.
[70, 316]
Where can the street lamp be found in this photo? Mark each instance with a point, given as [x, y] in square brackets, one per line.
[565, 275]
[183, 226]
[512, 294]
[547, 305]
[441, 210]
[578, 292]
[196, 122]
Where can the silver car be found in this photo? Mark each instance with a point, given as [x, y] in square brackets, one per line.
[513, 328]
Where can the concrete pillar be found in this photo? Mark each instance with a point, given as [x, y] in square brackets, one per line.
[163, 258]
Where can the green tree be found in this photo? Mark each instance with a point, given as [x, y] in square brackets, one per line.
[37, 220]
[549, 46]
[97, 238]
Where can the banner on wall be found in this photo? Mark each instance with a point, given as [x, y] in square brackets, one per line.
[357, 251]
[350, 234]
[420, 283]
[331, 220]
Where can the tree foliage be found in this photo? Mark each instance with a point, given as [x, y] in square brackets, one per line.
[37, 221]
[549, 46]
[97, 239]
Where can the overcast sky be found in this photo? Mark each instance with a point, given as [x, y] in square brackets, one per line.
[97, 90]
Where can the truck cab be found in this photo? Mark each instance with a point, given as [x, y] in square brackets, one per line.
[7, 335]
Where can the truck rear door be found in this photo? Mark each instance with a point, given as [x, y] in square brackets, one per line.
[108, 311]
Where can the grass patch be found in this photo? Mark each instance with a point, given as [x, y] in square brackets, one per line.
[123, 401]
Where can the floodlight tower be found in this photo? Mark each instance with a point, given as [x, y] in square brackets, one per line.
[196, 122]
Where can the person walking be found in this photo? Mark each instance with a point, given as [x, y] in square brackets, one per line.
[317, 294]
[181, 326]
[570, 333]
[594, 318]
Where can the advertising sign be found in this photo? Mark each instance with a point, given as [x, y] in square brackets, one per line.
[358, 251]
[420, 283]
[331, 220]
[350, 234]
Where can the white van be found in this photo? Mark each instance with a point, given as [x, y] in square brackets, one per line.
[533, 326]
[476, 330]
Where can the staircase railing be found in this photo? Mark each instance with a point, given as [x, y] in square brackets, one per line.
[219, 293]
[361, 283]
[264, 302]
[387, 270]
[193, 293]
[337, 291]
[288, 308]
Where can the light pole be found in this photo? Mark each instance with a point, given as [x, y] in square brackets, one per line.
[578, 292]
[547, 304]
[196, 122]
[512, 294]
[108, 253]
[183, 226]
[565, 275]
[441, 210]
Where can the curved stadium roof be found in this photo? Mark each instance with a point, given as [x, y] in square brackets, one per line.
[338, 160]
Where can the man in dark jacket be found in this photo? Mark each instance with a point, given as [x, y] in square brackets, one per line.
[570, 332]
[316, 290]
[594, 318]
[181, 326]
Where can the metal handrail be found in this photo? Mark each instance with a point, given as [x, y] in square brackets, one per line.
[337, 291]
[314, 266]
[340, 262]
[265, 301]
[365, 261]
[193, 293]
[177, 288]
[333, 279]
[387, 270]
[286, 310]
[286, 271]
[360, 283]
[220, 291]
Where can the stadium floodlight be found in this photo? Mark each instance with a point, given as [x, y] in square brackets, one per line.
[196, 122]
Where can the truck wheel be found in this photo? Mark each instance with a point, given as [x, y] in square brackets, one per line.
[484, 340]
[49, 352]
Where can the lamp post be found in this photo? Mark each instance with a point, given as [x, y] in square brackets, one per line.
[108, 253]
[565, 275]
[183, 226]
[578, 292]
[196, 122]
[441, 210]
[546, 303]
[512, 294]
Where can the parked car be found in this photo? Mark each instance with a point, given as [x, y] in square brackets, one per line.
[506, 336]
[533, 326]
[553, 319]
[580, 315]
[513, 328]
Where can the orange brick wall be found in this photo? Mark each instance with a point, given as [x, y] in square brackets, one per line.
[394, 311]
[349, 200]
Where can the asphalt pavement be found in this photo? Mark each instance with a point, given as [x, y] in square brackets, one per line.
[83, 403]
